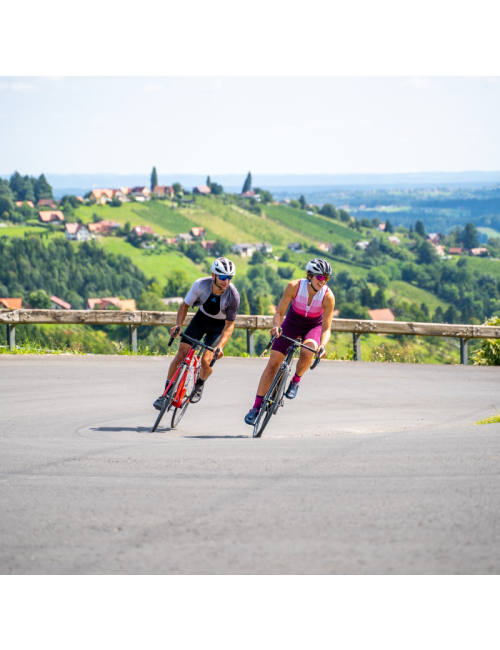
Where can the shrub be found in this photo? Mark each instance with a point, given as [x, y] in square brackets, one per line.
[488, 353]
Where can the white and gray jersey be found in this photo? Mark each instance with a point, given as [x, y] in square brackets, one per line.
[223, 307]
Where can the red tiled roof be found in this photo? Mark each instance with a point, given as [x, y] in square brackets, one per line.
[202, 189]
[455, 250]
[381, 314]
[198, 232]
[47, 216]
[11, 303]
[99, 193]
[47, 203]
[248, 193]
[61, 303]
[140, 230]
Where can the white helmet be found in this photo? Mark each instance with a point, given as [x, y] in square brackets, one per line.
[223, 266]
[319, 266]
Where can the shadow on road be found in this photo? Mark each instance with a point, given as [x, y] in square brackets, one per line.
[135, 429]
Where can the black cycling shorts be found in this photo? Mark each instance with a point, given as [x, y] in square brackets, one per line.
[203, 325]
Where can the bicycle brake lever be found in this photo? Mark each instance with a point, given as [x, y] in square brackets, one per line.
[214, 359]
[177, 329]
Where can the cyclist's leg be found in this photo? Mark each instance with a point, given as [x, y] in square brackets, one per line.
[212, 339]
[275, 359]
[306, 357]
[181, 353]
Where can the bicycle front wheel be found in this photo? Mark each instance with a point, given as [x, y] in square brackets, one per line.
[270, 403]
[168, 401]
[180, 410]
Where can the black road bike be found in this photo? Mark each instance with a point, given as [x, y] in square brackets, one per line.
[275, 395]
[179, 390]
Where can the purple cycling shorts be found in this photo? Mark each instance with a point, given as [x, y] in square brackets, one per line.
[293, 331]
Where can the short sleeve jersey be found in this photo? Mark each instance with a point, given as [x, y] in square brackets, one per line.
[211, 306]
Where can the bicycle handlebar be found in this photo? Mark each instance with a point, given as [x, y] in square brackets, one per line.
[297, 343]
[193, 342]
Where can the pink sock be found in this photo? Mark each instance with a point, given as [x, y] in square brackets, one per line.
[258, 402]
[295, 379]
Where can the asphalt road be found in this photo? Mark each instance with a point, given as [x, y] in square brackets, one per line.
[373, 469]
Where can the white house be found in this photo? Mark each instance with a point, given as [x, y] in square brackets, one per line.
[362, 244]
[245, 250]
[76, 232]
[295, 247]
[264, 248]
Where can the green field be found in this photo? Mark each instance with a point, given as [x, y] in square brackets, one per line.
[317, 226]
[154, 264]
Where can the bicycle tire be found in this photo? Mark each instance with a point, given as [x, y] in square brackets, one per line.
[179, 411]
[268, 409]
[170, 395]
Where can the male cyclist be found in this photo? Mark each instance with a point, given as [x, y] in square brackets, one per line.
[309, 317]
[218, 302]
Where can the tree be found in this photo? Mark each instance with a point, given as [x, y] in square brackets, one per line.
[177, 284]
[344, 215]
[329, 210]
[265, 196]
[257, 258]
[42, 188]
[221, 247]
[302, 201]
[353, 310]
[177, 187]
[379, 299]
[389, 227]
[151, 301]
[379, 278]
[39, 299]
[244, 304]
[247, 185]
[259, 306]
[451, 315]
[286, 272]
[411, 229]
[438, 315]
[419, 229]
[426, 253]
[154, 179]
[208, 183]
[424, 309]
[6, 207]
[285, 257]
[469, 236]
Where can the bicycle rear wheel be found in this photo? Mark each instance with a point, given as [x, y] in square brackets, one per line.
[180, 410]
[270, 403]
[168, 401]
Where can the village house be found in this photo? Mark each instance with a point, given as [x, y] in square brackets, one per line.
[439, 249]
[55, 216]
[104, 303]
[381, 314]
[263, 247]
[139, 231]
[185, 237]
[325, 247]
[104, 227]
[245, 250]
[455, 250]
[122, 194]
[28, 203]
[164, 191]
[362, 244]
[202, 189]
[250, 194]
[295, 247]
[141, 192]
[478, 251]
[57, 303]
[46, 203]
[381, 226]
[433, 237]
[285, 202]
[101, 196]
[208, 245]
[198, 232]
[394, 240]
[11, 303]
[76, 232]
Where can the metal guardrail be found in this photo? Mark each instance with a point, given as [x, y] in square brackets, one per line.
[14, 317]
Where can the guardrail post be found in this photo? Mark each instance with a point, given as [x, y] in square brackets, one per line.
[464, 351]
[132, 337]
[251, 342]
[11, 336]
[356, 346]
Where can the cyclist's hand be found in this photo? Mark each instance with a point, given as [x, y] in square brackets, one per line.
[276, 331]
[221, 354]
[173, 333]
[322, 352]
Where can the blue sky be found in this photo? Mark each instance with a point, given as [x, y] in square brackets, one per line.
[271, 125]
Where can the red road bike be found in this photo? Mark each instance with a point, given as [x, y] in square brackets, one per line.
[179, 389]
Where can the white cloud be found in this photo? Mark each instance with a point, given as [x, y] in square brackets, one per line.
[416, 83]
[18, 87]
[153, 88]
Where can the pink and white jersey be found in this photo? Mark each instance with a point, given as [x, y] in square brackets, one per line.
[299, 303]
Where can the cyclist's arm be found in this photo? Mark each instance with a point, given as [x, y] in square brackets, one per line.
[328, 304]
[226, 333]
[181, 315]
[280, 314]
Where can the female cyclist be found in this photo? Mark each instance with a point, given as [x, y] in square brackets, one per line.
[310, 317]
